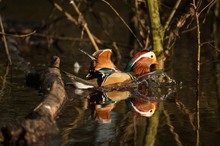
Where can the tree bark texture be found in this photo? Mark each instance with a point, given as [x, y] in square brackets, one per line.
[156, 30]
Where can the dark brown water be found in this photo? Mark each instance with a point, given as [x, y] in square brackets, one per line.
[173, 123]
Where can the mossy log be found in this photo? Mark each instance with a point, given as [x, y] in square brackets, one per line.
[40, 124]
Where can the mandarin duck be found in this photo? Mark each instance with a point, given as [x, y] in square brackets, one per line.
[107, 73]
[142, 87]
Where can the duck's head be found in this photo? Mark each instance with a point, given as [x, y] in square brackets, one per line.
[141, 62]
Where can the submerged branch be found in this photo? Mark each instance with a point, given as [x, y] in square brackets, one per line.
[40, 124]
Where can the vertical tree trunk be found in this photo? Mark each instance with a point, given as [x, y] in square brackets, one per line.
[216, 53]
[216, 28]
[156, 30]
[157, 37]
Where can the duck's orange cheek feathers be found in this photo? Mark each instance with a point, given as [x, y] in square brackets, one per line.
[141, 68]
[154, 61]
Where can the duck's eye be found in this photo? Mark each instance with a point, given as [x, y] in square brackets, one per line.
[151, 111]
[152, 56]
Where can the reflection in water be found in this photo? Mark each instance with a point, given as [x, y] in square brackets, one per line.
[102, 120]
[101, 107]
[141, 95]
[105, 132]
[177, 121]
[143, 107]
[4, 81]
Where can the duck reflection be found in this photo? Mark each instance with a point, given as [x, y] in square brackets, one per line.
[141, 95]
[101, 107]
[103, 112]
[140, 88]
[142, 107]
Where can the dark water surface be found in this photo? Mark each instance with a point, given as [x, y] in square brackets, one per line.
[173, 123]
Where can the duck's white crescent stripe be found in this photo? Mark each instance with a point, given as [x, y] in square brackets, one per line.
[146, 114]
[143, 55]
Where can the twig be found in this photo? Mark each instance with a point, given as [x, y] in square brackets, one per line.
[188, 30]
[5, 42]
[19, 35]
[124, 22]
[67, 38]
[81, 20]
[84, 24]
[171, 15]
[174, 33]
[207, 6]
[68, 16]
[198, 74]
[63, 38]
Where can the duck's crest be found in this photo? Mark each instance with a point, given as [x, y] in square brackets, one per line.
[103, 59]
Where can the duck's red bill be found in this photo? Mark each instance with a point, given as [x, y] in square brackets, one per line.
[155, 103]
[156, 62]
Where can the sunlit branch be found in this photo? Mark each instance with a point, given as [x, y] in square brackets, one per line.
[19, 35]
[207, 6]
[68, 15]
[84, 24]
[198, 73]
[171, 15]
[81, 20]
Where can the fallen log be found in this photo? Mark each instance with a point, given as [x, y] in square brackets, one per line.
[40, 124]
